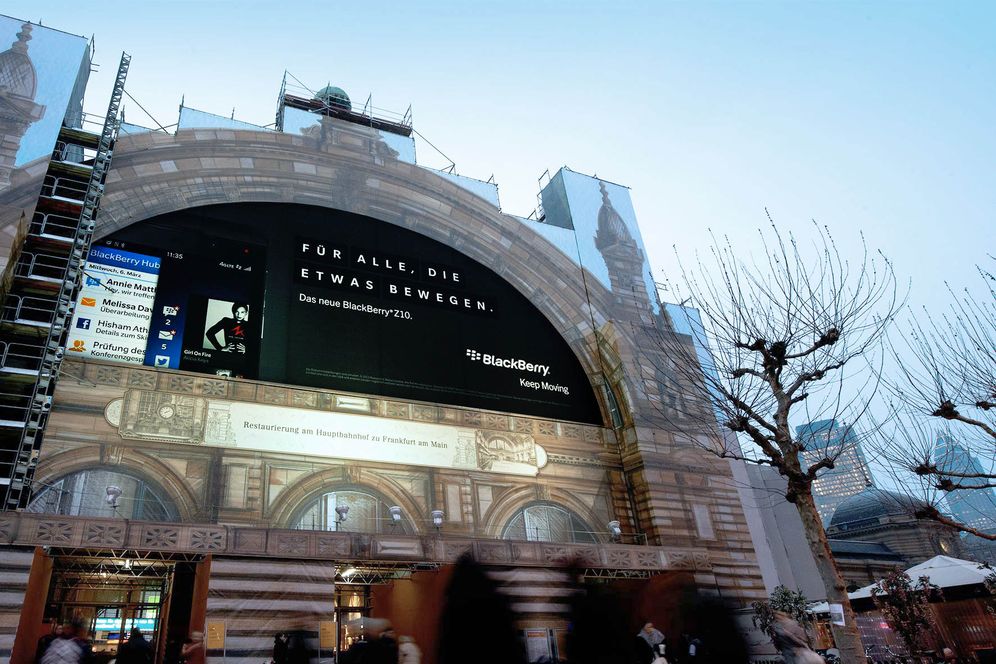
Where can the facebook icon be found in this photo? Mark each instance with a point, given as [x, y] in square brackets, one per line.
[83, 323]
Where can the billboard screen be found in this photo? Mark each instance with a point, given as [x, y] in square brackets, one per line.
[316, 297]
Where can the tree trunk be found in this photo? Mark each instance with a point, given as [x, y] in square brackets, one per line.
[846, 637]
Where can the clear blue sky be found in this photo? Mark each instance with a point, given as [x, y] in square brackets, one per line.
[875, 117]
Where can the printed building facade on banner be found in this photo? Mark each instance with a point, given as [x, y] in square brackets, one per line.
[297, 352]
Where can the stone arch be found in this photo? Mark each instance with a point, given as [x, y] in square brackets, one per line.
[148, 468]
[511, 503]
[299, 494]
[155, 174]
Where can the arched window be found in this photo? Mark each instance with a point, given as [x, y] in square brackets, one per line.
[367, 514]
[548, 523]
[84, 493]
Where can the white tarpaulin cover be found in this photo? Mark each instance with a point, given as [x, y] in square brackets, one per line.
[944, 572]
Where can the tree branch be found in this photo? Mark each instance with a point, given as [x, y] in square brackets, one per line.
[931, 512]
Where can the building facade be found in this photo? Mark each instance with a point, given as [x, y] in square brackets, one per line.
[304, 374]
[850, 474]
[876, 515]
[975, 507]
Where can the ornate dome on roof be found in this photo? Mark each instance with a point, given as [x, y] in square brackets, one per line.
[611, 227]
[17, 74]
[335, 97]
[871, 504]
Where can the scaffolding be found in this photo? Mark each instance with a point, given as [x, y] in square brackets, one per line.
[36, 312]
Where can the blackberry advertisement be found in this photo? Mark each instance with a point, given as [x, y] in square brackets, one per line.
[316, 297]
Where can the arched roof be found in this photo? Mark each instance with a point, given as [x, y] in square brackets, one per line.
[870, 505]
[155, 173]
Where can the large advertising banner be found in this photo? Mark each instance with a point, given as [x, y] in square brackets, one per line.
[309, 296]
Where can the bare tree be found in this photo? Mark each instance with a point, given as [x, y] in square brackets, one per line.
[943, 403]
[774, 345]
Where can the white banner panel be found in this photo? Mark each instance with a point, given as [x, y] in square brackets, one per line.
[366, 438]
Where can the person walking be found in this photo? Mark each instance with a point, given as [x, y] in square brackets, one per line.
[790, 639]
[45, 641]
[68, 648]
[192, 648]
[408, 651]
[136, 650]
[650, 643]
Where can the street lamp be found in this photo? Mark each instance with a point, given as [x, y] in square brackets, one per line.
[112, 495]
[437, 518]
[341, 511]
[395, 512]
[615, 530]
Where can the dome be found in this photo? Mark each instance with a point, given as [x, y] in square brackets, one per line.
[17, 74]
[611, 227]
[867, 507]
[335, 97]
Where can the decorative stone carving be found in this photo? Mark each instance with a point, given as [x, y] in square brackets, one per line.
[617, 558]
[103, 534]
[54, 532]
[496, 421]
[304, 399]
[143, 380]
[292, 544]
[207, 539]
[395, 409]
[570, 431]
[648, 559]
[274, 395]
[160, 537]
[425, 413]
[182, 384]
[164, 416]
[453, 550]
[105, 375]
[494, 552]
[522, 425]
[249, 541]
[214, 388]
[6, 528]
[333, 545]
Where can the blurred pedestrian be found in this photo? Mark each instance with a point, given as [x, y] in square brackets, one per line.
[68, 648]
[650, 643]
[192, 648]
[279, 648]
[408, 651]
[790, 639]
[136, 650]
[45, 641]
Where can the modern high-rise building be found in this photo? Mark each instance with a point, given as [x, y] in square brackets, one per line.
[973, 507]
[287, 375]
[850, 474]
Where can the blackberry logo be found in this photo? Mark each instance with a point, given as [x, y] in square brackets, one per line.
[505, 363]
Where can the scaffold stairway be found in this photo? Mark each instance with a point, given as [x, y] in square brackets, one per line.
[38, 309]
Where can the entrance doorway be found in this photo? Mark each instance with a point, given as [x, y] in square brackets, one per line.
[352, 601]
[110, 594]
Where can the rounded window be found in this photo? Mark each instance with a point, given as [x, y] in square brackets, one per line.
[105, 492]
[353, 511]
[548, 523]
